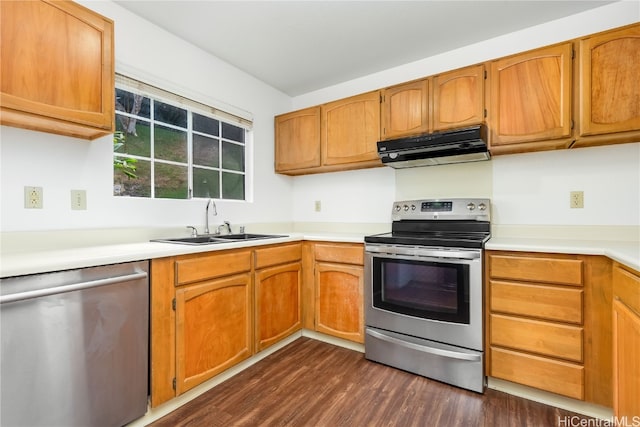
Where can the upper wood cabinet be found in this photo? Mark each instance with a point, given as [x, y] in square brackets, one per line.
[340, 135]
[530, 102]
[57, 68]
[609, 87]
[350, 130]
[458, 98]
[405, 109]
[297, 140]
[278, 281]
[449, 100]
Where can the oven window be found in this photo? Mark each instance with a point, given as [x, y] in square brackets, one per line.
[429, 290]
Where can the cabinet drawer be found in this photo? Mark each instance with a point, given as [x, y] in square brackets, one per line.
[211, 265]
[545, 302]
[551, 375]
[536, 269]
[550, 339]
[344, 254]
[278, 255]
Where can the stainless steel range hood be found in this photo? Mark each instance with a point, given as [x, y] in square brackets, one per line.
[451, 146]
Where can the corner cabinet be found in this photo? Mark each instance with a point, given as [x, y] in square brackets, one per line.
[57, 70]
[278, 281]
[212, 310]
[609, 91]
[530, 107]
[339, 287]
[336, 136]
[626, 343]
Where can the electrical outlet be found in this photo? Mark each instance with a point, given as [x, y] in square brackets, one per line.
[33, 197]
[78, 200]
[318, 205]
[576, 199]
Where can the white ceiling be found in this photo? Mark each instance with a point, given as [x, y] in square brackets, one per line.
[301, 46]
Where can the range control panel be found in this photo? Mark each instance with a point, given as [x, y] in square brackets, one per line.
[434, 209]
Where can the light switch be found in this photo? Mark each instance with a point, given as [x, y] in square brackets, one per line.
[78, 200]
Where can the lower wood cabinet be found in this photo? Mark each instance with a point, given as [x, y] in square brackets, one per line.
[548, 322]
[213, 328]
[212, 310]
[626, 344]
[339, 287]
[278, 282]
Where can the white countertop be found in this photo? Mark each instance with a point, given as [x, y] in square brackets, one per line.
[50, 259]
[41, 261]
[627, 253]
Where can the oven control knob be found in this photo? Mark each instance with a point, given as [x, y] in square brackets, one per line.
[406, 208]
[413, 207]
[398, 208]
[482, 206]
[471, 206]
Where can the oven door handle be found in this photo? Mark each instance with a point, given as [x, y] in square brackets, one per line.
[437, 351]
[426, 252]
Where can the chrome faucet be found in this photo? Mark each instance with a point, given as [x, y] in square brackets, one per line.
[206, 218]
[226, 224]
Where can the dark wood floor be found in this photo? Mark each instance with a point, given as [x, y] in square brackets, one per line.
[312, 383]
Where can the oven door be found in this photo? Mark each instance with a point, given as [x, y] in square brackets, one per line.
[429, 293]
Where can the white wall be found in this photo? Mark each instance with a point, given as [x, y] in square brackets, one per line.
[515, 183]
[59, 164]
[348, 197]
[534, 188]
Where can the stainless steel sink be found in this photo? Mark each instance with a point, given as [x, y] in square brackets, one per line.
[245, 236]
[218, 238]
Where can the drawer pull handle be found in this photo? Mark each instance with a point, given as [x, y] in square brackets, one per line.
[424, 349]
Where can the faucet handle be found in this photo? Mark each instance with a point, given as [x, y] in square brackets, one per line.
[194, 231]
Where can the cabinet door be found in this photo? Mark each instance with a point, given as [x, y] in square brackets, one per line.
[609, 82]
[351, 129]
[278, 312]
[531, 100]
[339, 300]
[57, 68]
[297, 140]
[626, 343]
[405, 109]
[626, 362]
[213, 328]
[458, 98]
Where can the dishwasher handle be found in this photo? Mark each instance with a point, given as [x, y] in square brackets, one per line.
[21, 296]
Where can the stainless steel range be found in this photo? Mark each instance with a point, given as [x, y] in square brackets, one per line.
[423, 290]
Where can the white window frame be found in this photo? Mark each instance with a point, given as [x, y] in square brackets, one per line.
[192, 105]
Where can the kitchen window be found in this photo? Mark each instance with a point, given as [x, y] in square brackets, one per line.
[180, 148]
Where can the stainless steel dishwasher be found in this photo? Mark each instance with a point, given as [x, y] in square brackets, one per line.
[75, 347]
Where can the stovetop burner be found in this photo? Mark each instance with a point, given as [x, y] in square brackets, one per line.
[462, 240]
[463, 223]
